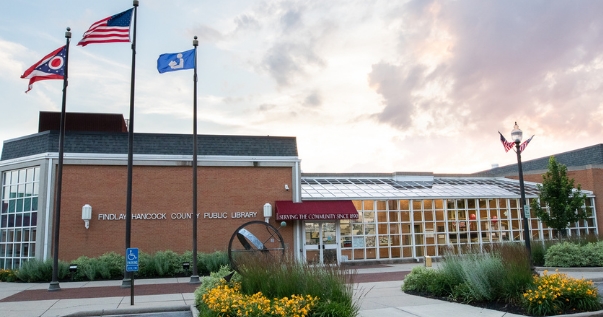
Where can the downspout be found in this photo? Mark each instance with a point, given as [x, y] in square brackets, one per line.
[47, 211]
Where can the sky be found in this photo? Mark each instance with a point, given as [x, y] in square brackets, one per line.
[364, 86]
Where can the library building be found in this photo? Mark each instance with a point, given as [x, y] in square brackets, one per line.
[324, 218]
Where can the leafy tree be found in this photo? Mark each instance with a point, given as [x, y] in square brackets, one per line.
[565, 203]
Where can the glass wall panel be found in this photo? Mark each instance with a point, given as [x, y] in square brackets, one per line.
[19, 202]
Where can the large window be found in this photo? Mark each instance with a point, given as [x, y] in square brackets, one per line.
[395, 229]
[18, 221]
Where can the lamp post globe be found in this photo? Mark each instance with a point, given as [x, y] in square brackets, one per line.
[516, 134]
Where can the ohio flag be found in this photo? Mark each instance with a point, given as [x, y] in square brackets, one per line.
[52, 66]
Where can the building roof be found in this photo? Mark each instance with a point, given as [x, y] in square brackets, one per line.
[412, 186]
[590, 155]
[149, 143]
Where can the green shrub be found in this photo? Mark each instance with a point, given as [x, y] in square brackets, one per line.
[517, 270]
[538, 251]
[113, 265]
[593, 254]
[211, 281]
[40, 271]
[419, 279]
[146, 266]
[481, 272]
[166, 263]
[564, 254]
[211, 262]
[553, 294]
[279, 278]
[462, 293]
[87, 268]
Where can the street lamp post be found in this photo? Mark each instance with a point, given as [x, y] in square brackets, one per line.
[517, 134]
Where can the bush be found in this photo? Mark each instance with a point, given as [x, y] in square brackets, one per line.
[269, 278]
[517, 270]
[7, 275]
[113, 265]
[40, 271]
[564, 254]
[214, 279]
[558, 294]
[476, 276]
[211, 262]
[593, 254]
[87, 268]
[419, 279]
[146, 266]
[481, 272]
[167, 263]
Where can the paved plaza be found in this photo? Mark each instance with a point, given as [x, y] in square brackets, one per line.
[377, 289]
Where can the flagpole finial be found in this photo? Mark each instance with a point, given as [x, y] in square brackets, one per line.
[135, 3]
[68, 33]
[195, 41]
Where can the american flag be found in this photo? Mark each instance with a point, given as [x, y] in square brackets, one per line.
[51, 66]
[508, 145]
[525, 144]
[113, 29]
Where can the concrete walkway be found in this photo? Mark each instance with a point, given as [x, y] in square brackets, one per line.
[376, 298]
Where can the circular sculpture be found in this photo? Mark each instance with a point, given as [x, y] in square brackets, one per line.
[255, 240]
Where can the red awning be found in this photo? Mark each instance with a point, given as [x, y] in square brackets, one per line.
[316, 210]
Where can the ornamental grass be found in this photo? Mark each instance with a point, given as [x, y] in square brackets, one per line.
[274, 288]
[557, 293]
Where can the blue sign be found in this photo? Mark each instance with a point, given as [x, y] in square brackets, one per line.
[131, 259]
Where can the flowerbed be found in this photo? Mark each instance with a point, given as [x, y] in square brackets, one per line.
[557, 293]
[226, 300]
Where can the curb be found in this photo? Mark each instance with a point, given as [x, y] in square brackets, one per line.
[131, 311]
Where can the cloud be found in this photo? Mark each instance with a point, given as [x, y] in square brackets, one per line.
[314, 99]
[480, 65]
[207, 34]
[9, 64]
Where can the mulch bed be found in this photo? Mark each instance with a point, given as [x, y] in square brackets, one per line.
[513, 308]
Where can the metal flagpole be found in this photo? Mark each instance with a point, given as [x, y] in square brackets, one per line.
[54, 284]
[195, 276]
[128, 275]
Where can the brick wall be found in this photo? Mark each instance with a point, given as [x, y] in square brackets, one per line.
[164, 190]
[589, 179]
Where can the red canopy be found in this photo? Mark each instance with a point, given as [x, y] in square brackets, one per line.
[316, 210]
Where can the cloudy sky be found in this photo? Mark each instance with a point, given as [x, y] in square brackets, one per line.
[365, 86]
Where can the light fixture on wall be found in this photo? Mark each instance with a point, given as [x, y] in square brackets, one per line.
[267, 212]
[286, 187]
[86, 215]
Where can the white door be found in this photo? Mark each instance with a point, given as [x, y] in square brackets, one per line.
[320, 245]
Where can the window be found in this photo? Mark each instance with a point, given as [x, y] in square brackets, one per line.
[20, 191]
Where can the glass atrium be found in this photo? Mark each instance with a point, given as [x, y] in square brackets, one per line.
[410, 217]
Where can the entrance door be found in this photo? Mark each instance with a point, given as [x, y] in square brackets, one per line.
[320, 246]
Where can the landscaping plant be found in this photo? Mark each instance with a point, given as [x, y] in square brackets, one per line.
[280, 288]
[557, 293]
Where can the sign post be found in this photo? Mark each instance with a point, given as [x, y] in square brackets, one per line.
[132, 266]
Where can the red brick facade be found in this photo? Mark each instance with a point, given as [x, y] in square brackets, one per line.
[589, 179]
[164, 191]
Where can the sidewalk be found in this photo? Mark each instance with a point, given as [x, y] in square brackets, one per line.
[377, 290]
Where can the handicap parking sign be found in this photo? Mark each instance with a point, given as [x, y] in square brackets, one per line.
[131, 259]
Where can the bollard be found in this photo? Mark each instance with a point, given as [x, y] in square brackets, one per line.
[427, 261]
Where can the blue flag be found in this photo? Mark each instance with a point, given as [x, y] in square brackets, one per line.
[176, 61]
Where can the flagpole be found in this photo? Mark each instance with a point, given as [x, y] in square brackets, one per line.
[195, 276]
[127, 282]
[54, 284]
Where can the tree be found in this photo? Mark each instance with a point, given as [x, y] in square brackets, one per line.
[566, 204]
